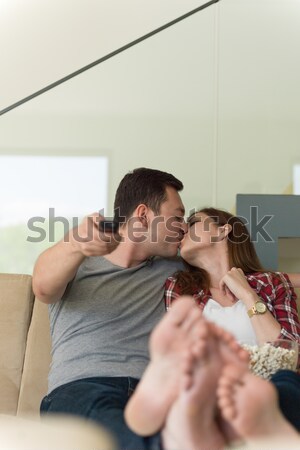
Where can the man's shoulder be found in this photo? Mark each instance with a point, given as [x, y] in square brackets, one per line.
[95, 265]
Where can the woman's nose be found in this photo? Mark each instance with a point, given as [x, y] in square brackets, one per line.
[184, 227]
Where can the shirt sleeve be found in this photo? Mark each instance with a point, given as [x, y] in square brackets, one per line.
[171, 292]
[285, 307]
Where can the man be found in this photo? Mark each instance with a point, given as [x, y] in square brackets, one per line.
[105, 294]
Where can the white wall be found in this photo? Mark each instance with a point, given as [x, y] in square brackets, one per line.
[214, 100]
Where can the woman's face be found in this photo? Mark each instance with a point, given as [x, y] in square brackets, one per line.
[202, 234]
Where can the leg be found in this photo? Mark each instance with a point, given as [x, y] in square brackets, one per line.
[101, 400]
[250, 404]
[179, 329]
[287, 384]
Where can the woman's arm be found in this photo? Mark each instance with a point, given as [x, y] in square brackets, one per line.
[265, 325]
[285, 307]
[278, 293]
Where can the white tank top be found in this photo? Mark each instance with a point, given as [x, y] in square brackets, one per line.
[232, 318]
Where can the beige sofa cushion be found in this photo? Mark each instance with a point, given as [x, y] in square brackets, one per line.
[16, 301]
[34, 383]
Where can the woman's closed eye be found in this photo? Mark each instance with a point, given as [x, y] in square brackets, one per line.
[192, 222]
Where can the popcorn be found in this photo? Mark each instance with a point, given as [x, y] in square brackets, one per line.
[267, 359]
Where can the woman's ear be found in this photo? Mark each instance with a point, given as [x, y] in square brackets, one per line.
[225, 230]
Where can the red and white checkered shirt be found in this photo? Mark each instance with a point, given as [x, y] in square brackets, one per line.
[273, 288]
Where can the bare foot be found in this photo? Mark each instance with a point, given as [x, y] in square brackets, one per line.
[180, 329]
[191, 423]
[250, 405]
[231, 352]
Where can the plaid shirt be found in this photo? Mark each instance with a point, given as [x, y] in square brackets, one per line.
[274, 289]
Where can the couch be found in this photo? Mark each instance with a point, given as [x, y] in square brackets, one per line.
[24, 366]
[24, 347]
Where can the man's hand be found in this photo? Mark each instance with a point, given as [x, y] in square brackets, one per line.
[89, 240]
[58, 265]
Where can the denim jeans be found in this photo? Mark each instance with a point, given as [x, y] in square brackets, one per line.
[103, 400]
[287, 384]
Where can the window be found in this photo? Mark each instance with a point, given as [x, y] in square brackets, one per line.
[296, 179]
[41, 197]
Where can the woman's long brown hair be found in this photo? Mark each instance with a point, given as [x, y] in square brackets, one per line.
[241, 252]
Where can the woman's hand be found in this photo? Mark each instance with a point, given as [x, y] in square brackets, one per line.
[236, 282]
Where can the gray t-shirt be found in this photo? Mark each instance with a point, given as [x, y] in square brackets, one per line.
[102, 324]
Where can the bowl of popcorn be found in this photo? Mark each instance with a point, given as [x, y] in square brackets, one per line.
[266, 359]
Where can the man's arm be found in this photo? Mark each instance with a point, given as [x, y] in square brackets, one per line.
[58, 265]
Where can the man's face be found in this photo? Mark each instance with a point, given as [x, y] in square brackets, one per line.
[168, 227]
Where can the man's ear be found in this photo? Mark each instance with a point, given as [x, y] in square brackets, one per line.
[142, 214]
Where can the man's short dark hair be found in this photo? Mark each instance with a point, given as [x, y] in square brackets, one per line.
[143, 186]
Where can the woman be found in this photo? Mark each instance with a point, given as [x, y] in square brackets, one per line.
[229, 284]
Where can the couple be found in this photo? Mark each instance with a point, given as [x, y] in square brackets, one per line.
[105, 298]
